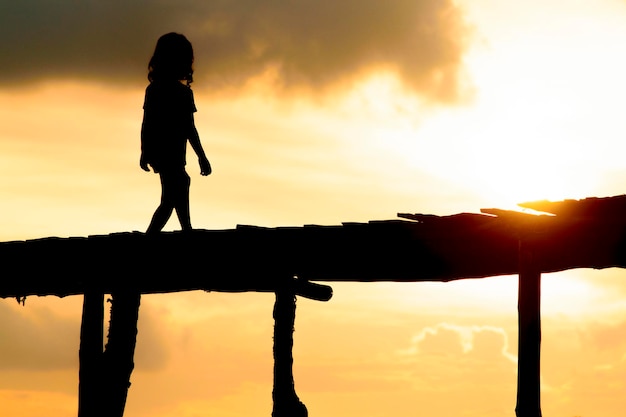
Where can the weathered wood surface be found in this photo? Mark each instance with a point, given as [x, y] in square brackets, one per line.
[589, 233]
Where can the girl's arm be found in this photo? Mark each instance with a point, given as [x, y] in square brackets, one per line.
[194, 140]
[143, 160]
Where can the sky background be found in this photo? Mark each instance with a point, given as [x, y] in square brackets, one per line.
[319, 112]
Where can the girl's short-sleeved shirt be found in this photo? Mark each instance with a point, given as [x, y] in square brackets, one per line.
[168, 123]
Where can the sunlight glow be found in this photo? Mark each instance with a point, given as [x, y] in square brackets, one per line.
[544, 120]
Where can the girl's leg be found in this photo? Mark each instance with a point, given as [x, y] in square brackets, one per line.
[164, 211]
[159, 219]
[182, 201]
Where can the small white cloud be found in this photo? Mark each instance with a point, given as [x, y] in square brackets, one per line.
[466, 337]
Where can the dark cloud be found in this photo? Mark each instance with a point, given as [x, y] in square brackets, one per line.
[89, 38]
[37, 339]
[310, 43]
[152, 349]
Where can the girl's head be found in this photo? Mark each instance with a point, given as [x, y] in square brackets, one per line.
[172, 59]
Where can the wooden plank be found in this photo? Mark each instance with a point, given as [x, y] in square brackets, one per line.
[595, 207]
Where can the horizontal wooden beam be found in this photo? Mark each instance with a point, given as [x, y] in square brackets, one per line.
[170, 262]
[248, 258]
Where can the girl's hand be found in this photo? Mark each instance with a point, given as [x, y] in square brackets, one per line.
[143, 164]
[205, 166]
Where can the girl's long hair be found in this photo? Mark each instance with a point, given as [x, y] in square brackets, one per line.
[172, 59]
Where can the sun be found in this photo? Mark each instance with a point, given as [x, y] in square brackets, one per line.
[526, 172]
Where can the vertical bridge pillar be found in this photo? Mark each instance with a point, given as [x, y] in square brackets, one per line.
[286, 401]
[529, 328]
[104, 376]
[90, 354]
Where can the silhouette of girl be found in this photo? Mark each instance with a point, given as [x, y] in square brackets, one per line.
[167, 125]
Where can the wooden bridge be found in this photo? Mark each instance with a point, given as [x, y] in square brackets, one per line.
[292, 261]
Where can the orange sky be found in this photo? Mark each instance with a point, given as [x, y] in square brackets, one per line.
[322, 114]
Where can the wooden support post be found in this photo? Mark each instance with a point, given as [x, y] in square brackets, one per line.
[286, 401]
[90, 355]
[529, 322]
[119, 351]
